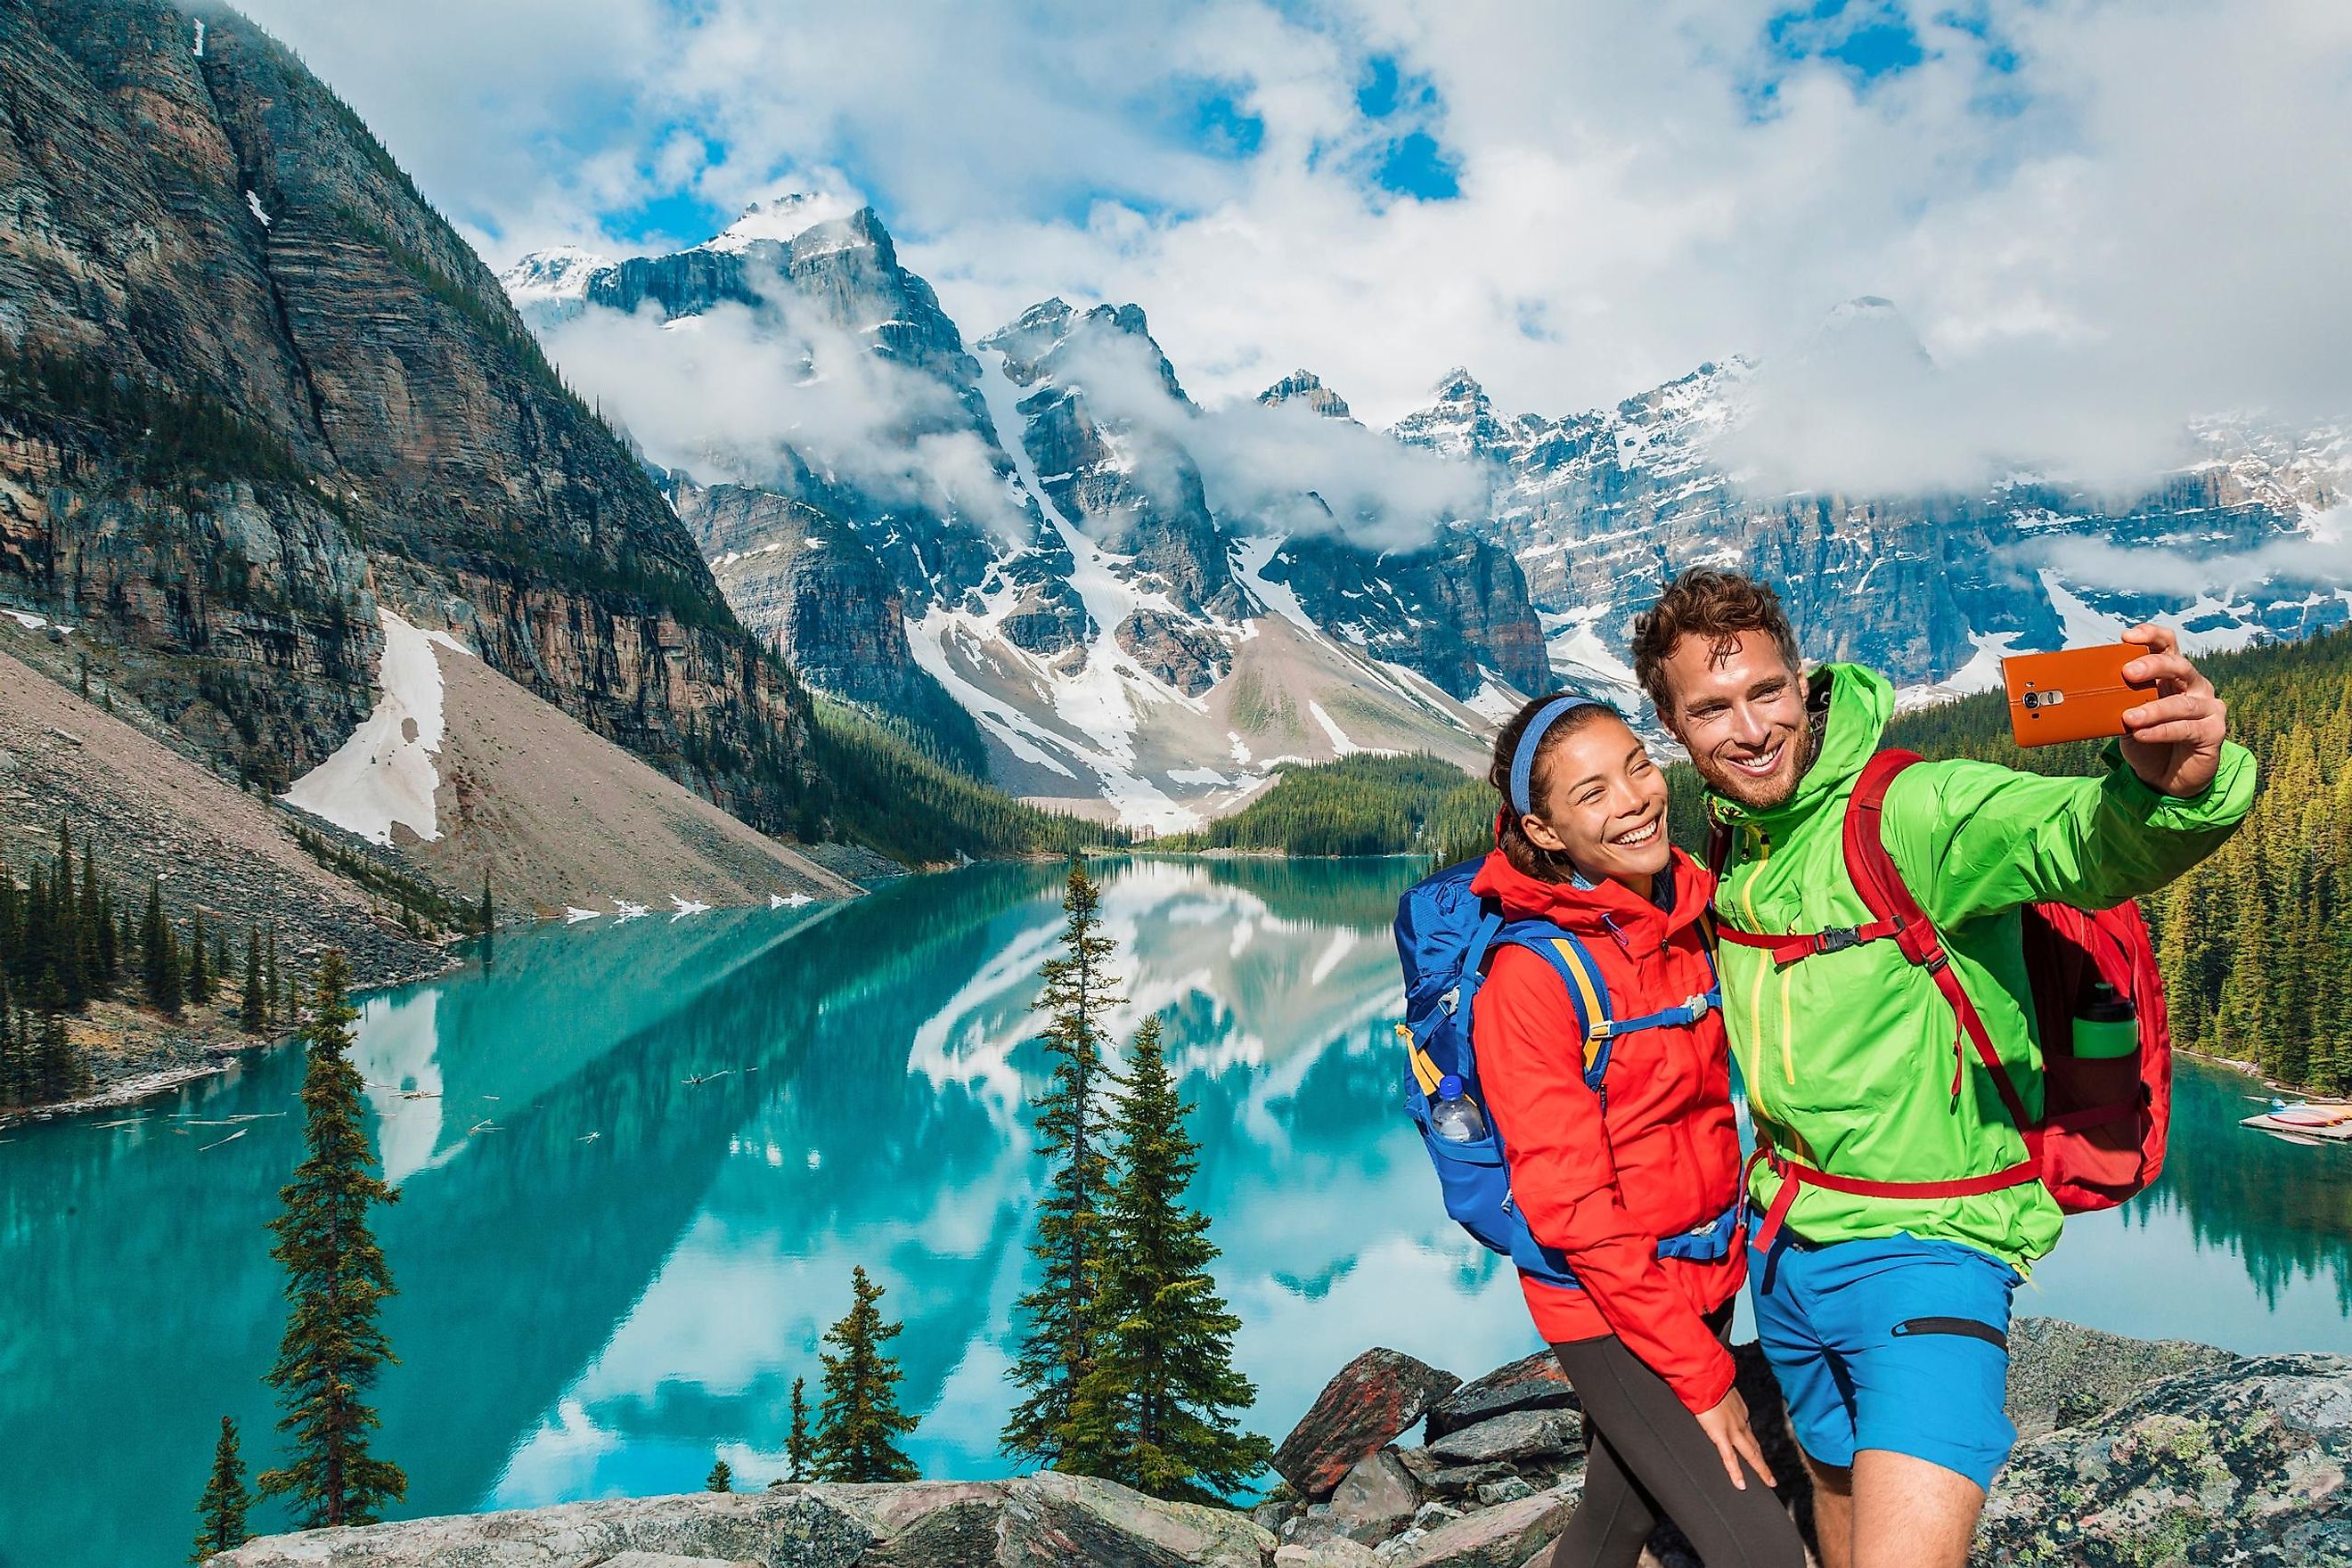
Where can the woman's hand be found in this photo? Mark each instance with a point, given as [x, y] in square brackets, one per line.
[1727, 1428]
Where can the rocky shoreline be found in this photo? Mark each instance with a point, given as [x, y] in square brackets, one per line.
[2133, 1452]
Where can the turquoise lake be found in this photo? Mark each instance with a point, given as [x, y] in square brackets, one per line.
[610, 1273]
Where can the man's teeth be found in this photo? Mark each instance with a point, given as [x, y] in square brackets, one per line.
[1642, 835]
[1763, 764]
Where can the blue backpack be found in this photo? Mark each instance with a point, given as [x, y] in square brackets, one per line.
[1444, 934]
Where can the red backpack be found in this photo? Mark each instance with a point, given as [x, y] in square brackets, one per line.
[2104, 1118]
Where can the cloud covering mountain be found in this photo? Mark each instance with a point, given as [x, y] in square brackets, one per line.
[2102, 218]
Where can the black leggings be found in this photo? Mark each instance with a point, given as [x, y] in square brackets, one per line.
[1645, 1459]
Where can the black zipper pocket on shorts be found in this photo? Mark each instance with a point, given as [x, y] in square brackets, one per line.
[1966, 1328]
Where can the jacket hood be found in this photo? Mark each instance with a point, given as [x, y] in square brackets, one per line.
[1605, 908]
[1860, 703]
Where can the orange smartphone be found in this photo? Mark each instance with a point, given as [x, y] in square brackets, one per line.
[2074, 694]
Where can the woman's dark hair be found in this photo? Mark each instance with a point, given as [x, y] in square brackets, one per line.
[1524, 854]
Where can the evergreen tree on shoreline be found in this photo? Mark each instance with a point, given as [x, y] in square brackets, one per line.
[859, 1424]
[199, 988]
[721, 1478]
[253, 1009]
[159, 953]
[336, 1282]
[220, 1515]
[11, 1070]
[1152, 1412]
[796, 1442]
[1057, 1346]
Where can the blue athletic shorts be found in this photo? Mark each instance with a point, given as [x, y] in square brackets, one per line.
[1893, 1343]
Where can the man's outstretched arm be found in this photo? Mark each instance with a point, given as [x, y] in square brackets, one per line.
[1973, 838]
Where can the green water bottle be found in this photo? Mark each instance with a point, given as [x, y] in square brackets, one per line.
[2105, 1022]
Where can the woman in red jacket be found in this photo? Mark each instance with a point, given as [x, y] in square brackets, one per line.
[1581, 842]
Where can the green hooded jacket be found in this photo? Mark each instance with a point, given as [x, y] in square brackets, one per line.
[1848, 1057]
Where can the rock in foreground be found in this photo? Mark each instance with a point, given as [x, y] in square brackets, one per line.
[1370, 1400]
[1031, 1522]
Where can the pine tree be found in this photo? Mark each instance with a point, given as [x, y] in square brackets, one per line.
[159, 953]
[336, 1282]
[220, 1515]
[1057, 1344]
[200, 980]
[90, 931]
[12, 1071]
[721, 1479]
[1152, 1411]
[796, 1442]
[487, 917]
[253, 1010]
[57, 1068]
[859, 1423]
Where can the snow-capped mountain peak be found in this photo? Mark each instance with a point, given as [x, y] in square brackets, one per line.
[782, 218]
[1460, 422]
[545, 276]
[1305, 386]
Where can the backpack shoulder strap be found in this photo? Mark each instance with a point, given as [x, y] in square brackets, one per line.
[1588, 992]
[1887, 897]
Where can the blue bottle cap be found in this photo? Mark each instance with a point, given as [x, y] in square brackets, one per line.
[1450, 1087]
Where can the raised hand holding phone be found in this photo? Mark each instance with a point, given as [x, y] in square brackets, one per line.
[2174, 742]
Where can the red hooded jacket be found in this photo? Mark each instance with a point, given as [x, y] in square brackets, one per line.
[1603, 1186]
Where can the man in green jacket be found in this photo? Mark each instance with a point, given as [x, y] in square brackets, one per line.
[1886, 1319]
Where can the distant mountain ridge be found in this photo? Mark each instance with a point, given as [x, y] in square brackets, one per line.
[1127, 595]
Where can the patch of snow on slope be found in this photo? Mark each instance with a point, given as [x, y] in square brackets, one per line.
[1583, 661]
[1491, 701]
[2080, 625]
[383, 774]
[1341, 745]
[2085, 626]
[1249, 557]
[1981, 673]
[253, 202]
[926, 640]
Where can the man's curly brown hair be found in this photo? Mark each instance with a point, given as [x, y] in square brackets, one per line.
[1706, 603]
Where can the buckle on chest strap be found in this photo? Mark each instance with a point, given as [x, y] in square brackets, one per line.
[1837, 939]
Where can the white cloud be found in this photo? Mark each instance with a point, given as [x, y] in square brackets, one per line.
[1282, 468]
[2142, 220]
[724, 393]
[2321, 557]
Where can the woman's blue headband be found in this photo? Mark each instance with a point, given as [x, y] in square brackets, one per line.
[1523, 761]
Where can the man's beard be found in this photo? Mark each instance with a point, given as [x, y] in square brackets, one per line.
[1754, 794]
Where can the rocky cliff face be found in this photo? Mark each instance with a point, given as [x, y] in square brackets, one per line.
[253, 383]
[810, 581]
